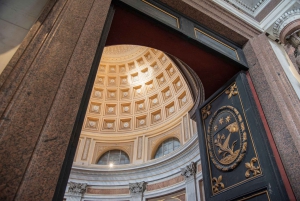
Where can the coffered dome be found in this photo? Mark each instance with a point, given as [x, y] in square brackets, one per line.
[137, 90]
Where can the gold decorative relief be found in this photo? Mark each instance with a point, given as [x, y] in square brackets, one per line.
[221, 121]
[205, 111]
[227, 151]
[232, 91]
[217, 184]
[227, 140]
[251, 168]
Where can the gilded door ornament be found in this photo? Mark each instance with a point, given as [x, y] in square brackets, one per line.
[232, 91]
[251, 168]
[206, 111]
[217, 184]
[227, 138]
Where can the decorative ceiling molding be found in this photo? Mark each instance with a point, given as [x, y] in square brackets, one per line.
[252, 7]
[121, 53]
[284, 20]
[116, 50]
[129, 97]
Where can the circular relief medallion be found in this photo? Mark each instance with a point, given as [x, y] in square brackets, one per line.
[227, 138]
[142, 121]
[126, 109]
[126, 125]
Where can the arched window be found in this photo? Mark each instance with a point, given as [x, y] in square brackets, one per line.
[115, 157]
[167, 147]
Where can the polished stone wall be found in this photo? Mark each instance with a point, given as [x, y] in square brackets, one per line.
[280, 106]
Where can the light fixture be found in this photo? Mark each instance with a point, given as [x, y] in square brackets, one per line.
[111, 165]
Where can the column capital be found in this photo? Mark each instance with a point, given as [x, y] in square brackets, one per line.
[189, 170]
[137, 188]
[77, 188]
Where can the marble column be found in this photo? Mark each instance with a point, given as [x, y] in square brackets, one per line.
[189, 172]
[75, 191]
[137, 190]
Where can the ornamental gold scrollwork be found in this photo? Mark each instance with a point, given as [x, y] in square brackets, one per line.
[217, 184]
[231, 91]
[206, 111]
[227, 138]
[251, 168]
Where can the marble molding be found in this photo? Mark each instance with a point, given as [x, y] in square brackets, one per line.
[164, 184]
[153, 170]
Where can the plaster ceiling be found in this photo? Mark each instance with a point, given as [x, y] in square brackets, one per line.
[136, 88]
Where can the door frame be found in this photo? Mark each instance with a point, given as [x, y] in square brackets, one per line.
[186, 30]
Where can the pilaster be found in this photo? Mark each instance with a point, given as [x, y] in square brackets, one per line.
[41, 96]
[189, 172]
[280, 105]
[75, 191]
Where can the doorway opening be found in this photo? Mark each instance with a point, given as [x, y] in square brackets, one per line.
[138, 124]
[193, 63]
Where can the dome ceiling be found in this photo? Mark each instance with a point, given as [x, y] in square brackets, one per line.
[136, 88]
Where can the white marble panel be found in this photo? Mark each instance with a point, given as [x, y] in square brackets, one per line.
[10, 38]
[22, 13]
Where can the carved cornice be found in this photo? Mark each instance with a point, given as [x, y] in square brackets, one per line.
[137, 188]
[77, 188]
[213, 10]
[250, 9]
[151, 170]
[189, 171]
[284, 20]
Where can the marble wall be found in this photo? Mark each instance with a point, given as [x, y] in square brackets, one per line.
[162, 176]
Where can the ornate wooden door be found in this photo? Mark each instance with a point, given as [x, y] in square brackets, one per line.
[236, 157]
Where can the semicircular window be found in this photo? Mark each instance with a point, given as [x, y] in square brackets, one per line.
[167, 147]
[115, 157]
